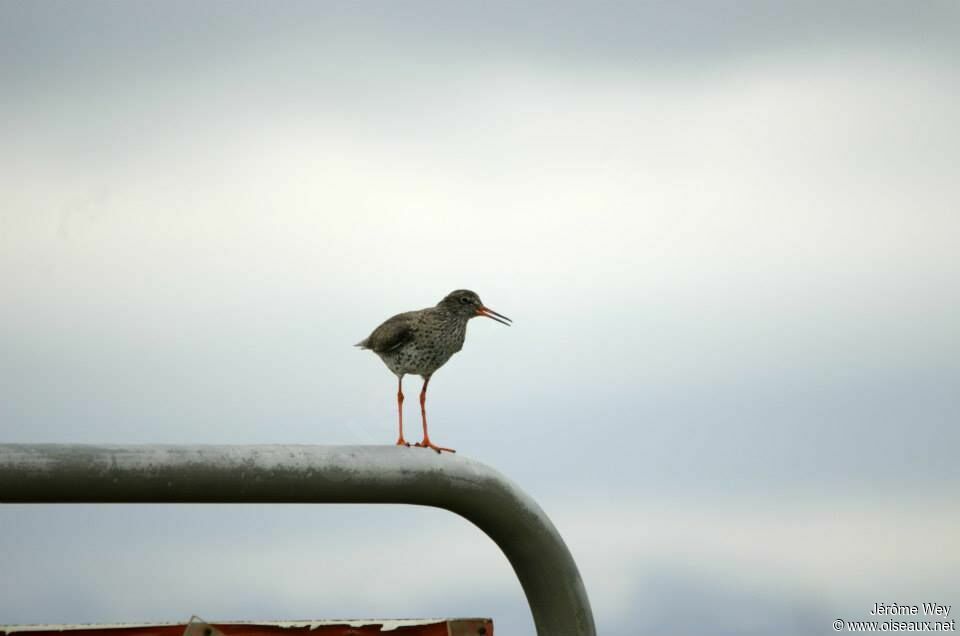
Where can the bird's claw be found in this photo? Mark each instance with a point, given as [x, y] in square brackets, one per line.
[428, 444]
[403, 442]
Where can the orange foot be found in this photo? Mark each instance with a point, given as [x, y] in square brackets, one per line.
[403, 442]
[426, 443]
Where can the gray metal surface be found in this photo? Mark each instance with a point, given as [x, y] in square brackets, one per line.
[53, 473]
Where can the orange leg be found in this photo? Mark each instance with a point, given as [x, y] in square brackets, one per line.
[400, 440]
[426, 443]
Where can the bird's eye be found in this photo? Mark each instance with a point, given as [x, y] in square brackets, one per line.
[465, 300]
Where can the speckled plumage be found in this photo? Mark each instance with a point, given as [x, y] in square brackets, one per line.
[420, 342]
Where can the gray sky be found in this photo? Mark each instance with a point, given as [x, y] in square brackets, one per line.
[727, 237]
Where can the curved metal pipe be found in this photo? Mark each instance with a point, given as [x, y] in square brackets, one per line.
[54, 473]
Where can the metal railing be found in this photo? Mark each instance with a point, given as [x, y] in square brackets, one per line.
[54, 473]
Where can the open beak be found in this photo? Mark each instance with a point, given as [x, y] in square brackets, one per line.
[489, 313]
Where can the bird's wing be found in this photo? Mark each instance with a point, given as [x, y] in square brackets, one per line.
[392, 334]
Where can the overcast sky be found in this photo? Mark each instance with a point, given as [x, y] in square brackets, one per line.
[727, 236]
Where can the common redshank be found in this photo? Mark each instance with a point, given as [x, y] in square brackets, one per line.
[420, 342]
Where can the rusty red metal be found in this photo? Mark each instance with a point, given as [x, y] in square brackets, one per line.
[437, 627]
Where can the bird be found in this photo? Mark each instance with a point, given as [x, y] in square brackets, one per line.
[420, 342]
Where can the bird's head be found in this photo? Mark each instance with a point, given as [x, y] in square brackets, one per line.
[467, 304]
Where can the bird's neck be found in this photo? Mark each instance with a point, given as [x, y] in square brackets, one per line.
[450, 317]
